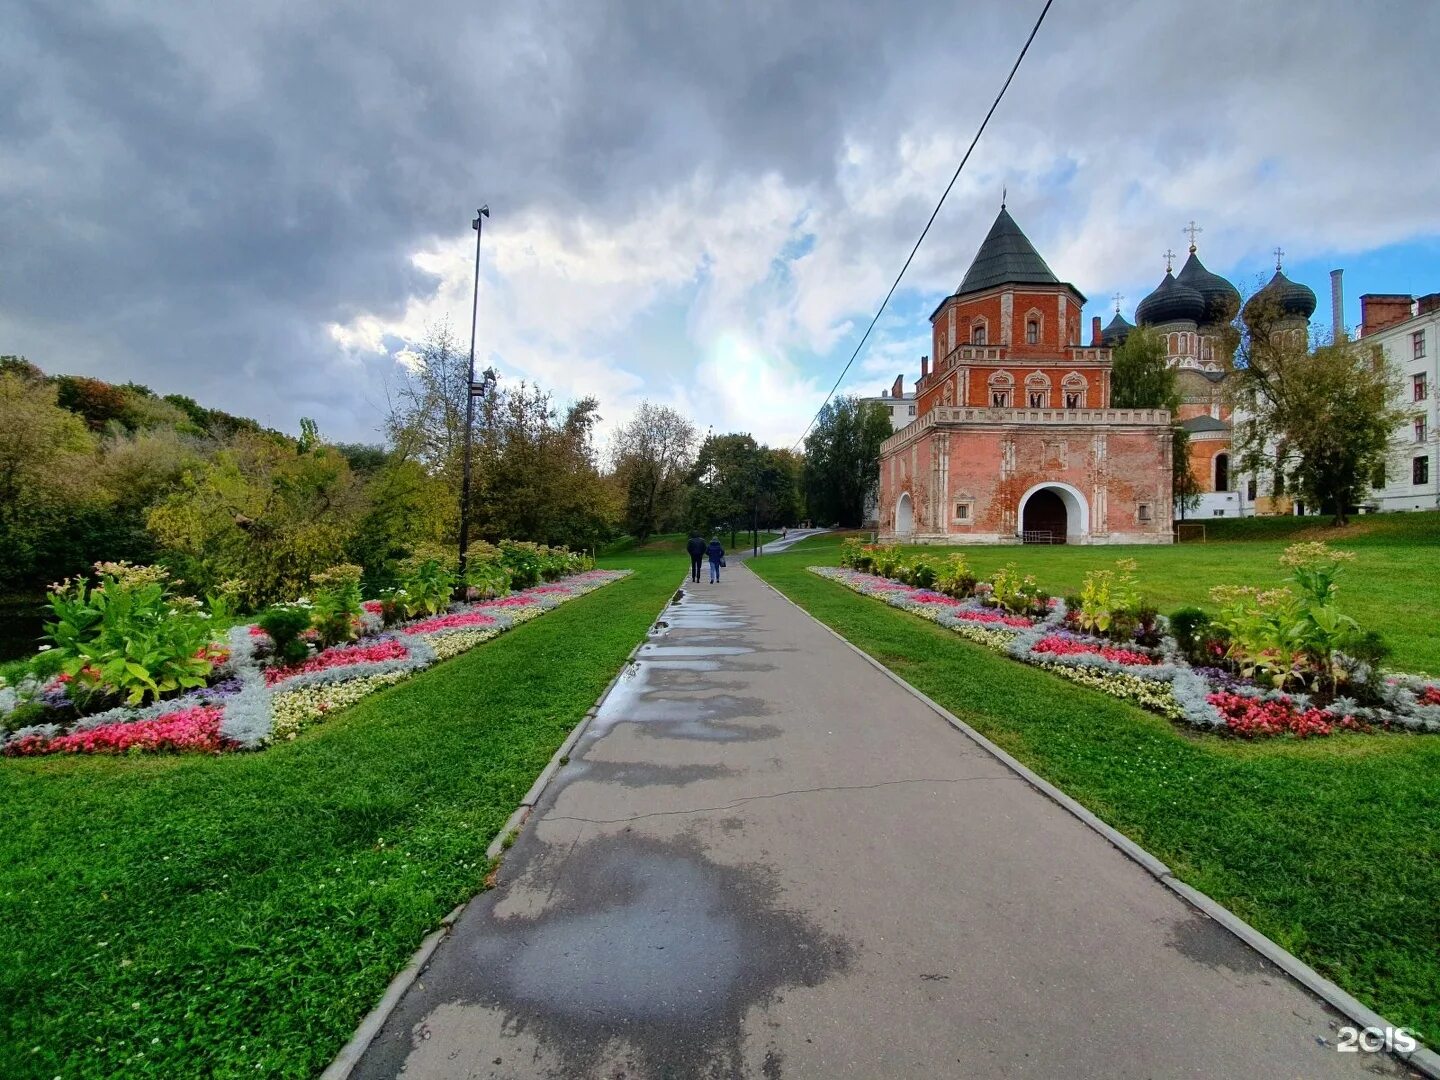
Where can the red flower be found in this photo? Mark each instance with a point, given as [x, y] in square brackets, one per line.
[194, 729]
[1059, 646]
[340, 656]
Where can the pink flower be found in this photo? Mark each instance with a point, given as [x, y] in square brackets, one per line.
[340, 656]
[450, 622]
[374, 607]
[1248, 716]
[1061, 646]
[195, 729]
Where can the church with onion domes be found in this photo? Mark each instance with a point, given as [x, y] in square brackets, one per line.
[1015, 439]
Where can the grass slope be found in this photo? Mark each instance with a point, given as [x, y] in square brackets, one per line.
[1330, 847]
[1393, 586]
[194, 916]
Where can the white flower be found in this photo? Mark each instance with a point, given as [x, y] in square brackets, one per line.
[46, 648]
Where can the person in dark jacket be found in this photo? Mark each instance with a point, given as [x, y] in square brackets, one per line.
[717, 555]
[696, 549]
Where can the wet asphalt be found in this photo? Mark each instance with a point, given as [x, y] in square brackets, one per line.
[764, 859]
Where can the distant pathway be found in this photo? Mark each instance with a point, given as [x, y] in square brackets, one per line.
[766, 859]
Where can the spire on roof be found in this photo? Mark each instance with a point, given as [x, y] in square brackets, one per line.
[1006, 258]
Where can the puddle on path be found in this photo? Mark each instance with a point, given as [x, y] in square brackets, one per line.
[648, 942]
[640, 774]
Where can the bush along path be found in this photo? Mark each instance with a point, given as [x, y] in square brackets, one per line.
[1271, 663]
[267, 682]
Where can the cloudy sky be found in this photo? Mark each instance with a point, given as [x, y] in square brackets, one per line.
[263, 205]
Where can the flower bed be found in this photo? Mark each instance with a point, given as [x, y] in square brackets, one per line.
[1159, 679]
[254, 703]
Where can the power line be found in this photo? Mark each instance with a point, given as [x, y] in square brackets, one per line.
[896, 284]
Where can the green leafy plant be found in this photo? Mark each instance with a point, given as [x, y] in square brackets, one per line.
[428, 583]
[1188, 626]
[485, 573]
[885, 560]
[1294, 636]
[955, 578]
[919, 572]
[1015, 593]
[1110, 601]
[335, 610]
[524, 562]
[285, 623]
[130, 634]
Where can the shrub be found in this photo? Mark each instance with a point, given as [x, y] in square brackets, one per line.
[485, 573]
[918, 572]
[336, 608]
[130, 634]
[1189, 626]
[955, 578]
[885, 560]
[523, 561]
[428, 583]
[285, 623]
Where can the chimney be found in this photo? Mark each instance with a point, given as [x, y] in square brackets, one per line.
[1095, 331]
[1428, 303]
[1379, 310]
[1337, 305]
[898, 390]
[924, 366]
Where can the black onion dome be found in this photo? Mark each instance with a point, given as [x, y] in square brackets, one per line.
[1222, 300]
[1283, 297]
[1170, 302]
[1118, 330]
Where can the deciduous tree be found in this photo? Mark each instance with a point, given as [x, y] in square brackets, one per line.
[842, 460]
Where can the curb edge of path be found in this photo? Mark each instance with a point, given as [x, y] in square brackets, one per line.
[351, 1053]
[1422, 1059]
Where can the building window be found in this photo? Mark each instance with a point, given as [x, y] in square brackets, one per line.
[1032, 332]
[1072, 400]
[1037, 399]
[912, 410]
[1143, 511]
[1419, 429]
[962, 512]
[977, 334]
[999, 399]
[1418, 382]
[1252, 489]
[1222, 472]
[1420, 470]
[1417, 344]
[1219, 513]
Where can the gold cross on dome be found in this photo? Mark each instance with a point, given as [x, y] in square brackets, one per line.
[1169, 257]
[1279, 254]
[1194, 231]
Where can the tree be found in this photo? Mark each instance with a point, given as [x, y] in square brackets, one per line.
[1322, 418]
[842, 460]
[1140, 378]
[653, 454]
[47, 482]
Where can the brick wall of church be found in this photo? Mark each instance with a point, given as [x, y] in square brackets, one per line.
[989, 471]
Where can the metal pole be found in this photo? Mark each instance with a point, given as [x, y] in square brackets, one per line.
[477, 225]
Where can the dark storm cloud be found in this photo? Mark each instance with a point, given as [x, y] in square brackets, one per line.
[189, 197]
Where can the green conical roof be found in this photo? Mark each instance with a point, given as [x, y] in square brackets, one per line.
[1006, 258]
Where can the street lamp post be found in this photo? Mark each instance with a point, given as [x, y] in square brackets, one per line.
[472, 391]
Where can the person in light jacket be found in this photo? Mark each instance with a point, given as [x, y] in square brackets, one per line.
[695, 548]
[717, 555]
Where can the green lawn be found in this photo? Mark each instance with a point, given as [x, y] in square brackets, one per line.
[238, 915]
[1393, 586]
[1331, 847]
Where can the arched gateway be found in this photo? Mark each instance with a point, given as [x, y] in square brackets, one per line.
[1054, 514]
[904, 517]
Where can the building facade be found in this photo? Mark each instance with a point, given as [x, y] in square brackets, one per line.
[1408, 332]
[1014, 439]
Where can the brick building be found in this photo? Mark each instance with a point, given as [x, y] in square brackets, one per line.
[1014, 438]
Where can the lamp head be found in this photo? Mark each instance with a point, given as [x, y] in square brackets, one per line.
[484, 211]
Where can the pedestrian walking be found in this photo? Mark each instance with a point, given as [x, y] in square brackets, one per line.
[717, 558]
[695, 546]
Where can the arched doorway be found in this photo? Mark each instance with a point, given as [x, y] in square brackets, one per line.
[904, 517]
[1044, 520]
[1222, 472]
